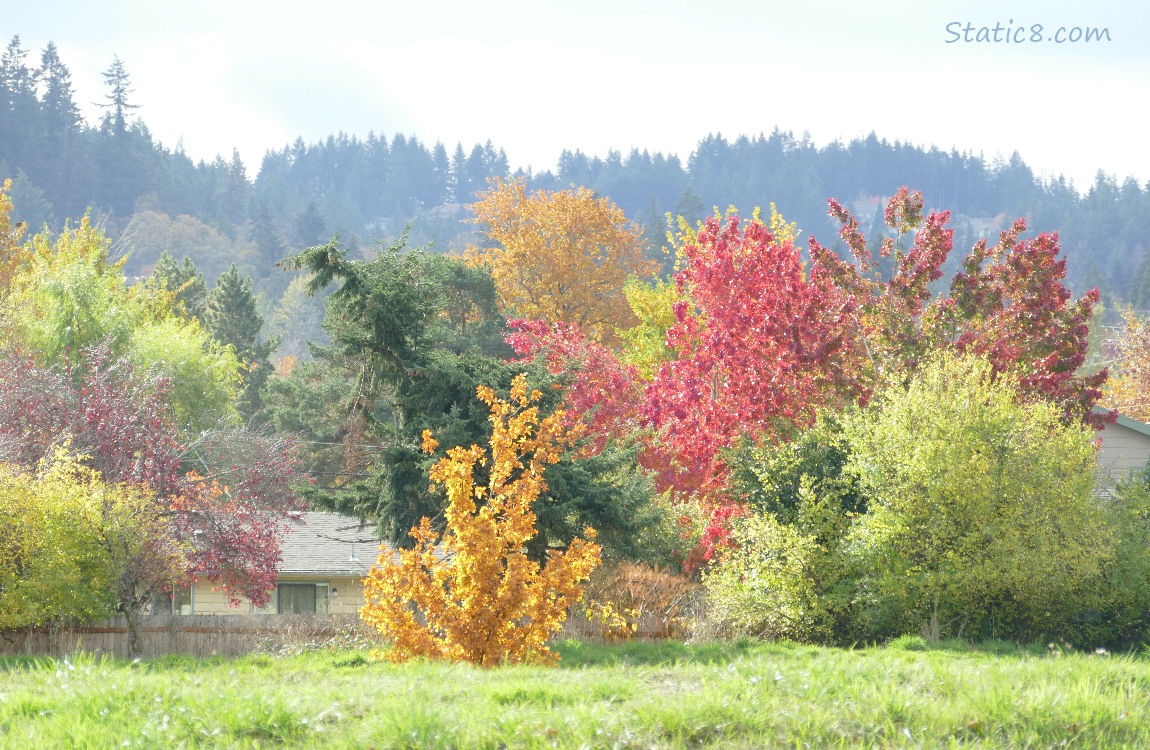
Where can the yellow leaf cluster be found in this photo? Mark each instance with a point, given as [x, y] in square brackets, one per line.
[73, 546]
[1129, 391]
[473, 594]
[562, 256]
[13, 255]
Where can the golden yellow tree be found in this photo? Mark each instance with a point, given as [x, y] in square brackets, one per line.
[13, 255]
[473, 594]
[1129, 390]
[562, 256]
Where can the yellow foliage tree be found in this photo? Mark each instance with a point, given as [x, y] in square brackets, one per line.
[75, 547]
[13, 255]
[1129, 390]
[473, 594]
[562, 256]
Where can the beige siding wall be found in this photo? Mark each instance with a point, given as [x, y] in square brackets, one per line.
[1122, 451]
[344, 596]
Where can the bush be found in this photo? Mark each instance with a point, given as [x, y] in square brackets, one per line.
[983, 520]
[787, 575]
[620, 596]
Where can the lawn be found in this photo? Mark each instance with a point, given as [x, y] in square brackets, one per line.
[664, 695]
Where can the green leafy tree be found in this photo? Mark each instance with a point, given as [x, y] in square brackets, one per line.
[788, 572]
[49, 567]
[70, 298]
[982, 518]
[74, 547]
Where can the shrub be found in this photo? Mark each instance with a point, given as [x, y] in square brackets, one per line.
[474, 594]
[983, 520]
[619, 597]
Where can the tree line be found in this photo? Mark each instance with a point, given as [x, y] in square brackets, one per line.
[371, 187]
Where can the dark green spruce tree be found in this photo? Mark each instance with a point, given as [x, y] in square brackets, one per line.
[231, 318]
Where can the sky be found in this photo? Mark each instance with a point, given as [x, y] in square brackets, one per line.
[539, 77]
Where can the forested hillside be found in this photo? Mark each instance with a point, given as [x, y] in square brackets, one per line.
[153, 197]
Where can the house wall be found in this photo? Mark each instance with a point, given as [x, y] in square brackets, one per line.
[345, 596]
[1123, 450]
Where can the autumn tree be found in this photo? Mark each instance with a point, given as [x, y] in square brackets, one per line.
[224, 496]
[50, 567]
[757, 343]
[1009, 303]
[13, 255]
[472, 594]
[561, 256]
[1129, 390]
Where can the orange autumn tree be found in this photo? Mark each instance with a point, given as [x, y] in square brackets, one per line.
[472, 594]
[561, 256]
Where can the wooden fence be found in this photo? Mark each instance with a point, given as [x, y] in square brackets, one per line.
[232, 635]
[201, 635]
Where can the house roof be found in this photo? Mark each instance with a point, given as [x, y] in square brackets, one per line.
[1130, 424]
[328, 544]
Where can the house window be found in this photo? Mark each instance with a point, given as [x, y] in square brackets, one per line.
[301, 598]
[176, 602]
[182, 601]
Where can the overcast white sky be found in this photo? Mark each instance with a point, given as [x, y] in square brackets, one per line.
[538, 77]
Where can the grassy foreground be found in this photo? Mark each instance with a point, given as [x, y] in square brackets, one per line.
[630, 696]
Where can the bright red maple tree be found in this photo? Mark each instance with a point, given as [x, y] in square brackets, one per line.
[766, 345]
[1008, 303]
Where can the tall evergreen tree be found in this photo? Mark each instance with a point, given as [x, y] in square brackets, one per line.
[231, 318]
[60, 126]
[119, 87]
[19, 110]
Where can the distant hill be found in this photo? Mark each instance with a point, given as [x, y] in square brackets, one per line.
[153, 197]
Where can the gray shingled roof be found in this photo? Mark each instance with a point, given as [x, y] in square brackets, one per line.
[328, 544]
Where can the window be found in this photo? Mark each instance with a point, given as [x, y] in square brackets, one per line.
[176, 602]
[301, 598]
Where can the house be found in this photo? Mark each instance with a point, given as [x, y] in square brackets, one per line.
[324, 560]
[1125, 447]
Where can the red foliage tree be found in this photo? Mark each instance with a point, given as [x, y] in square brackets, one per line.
[766, 346]
[1008, 303]
[759, 346]
[603, 393]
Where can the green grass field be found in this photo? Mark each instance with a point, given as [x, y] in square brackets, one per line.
[663, 695]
